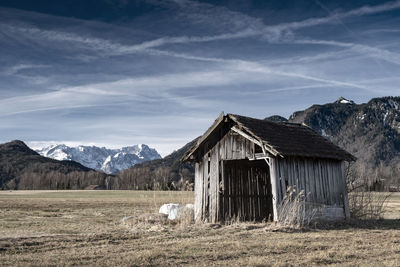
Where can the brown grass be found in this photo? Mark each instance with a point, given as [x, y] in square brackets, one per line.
[86, 228]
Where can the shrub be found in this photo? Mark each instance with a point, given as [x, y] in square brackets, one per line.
[367, 204]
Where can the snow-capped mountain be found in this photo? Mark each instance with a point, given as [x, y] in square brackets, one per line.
[101, 158]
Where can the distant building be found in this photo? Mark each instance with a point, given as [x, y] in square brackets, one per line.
[244, 167]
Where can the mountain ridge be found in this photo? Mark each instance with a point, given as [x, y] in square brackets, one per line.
[370, 131]
[23, 168]
[103, 159]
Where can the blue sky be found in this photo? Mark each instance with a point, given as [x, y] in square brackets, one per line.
[120, 72]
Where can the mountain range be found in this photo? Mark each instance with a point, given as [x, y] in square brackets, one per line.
[370, 131]
[110, 161]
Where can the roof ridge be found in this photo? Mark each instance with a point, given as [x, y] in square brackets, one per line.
[283, 138]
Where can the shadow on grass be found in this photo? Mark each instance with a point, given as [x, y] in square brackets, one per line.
[380, 224]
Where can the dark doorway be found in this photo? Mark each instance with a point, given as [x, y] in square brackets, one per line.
[245, 190]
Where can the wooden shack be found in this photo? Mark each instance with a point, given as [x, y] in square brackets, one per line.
[245, 166]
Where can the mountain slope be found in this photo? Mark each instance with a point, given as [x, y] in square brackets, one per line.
[370, 131]
[23, 168]
[100, 158]
[168, 172]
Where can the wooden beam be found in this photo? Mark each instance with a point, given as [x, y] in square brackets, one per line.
[245, 135]
[270, 149]
[265, 147]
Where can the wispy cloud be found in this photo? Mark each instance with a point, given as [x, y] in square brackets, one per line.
[270, 32]
[12, 70]
[249, 66]
[160, 88]
[275, 32]
[365, 50]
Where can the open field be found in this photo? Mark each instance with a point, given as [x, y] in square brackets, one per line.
[86, 228]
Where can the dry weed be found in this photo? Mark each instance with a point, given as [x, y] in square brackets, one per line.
[294, 211]
[60, 229]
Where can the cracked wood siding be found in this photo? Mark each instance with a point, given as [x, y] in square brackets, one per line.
[322, 180]
[207, 202]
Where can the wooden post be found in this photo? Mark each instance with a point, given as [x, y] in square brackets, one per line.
[274, 188]
[198, 192]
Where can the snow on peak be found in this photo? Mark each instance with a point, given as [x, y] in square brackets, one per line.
[343, 100]
[102, 159]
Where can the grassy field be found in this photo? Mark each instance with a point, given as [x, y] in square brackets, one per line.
[87, 228]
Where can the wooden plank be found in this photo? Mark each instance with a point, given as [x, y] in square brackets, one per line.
[340, 183]
[344, 190]
[289, 171]
[333, 180]
[225, 150]
[283, 172]
[250, 193]
[323, 181]
[274, 187]
[229, 177]
[222, 191]
[293, 174]
[307, 181]
[201, 191]
[217, 183]
[278, 182]
[317, 182]
[310, 180]
[301, 175]
[205, 186]
[296, 175]
[337, 181]
[257, 191]
[197, 191]
[212, 186]
[330, 184]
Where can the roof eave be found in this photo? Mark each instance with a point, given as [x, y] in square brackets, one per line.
[188, 155]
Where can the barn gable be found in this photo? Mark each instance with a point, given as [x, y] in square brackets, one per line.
[278, 138]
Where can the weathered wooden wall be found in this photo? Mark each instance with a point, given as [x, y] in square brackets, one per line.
[322, 180]
[208, 173]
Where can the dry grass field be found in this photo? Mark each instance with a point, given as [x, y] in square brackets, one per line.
[86, 228]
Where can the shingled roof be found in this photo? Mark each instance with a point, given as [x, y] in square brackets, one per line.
[281, 138]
